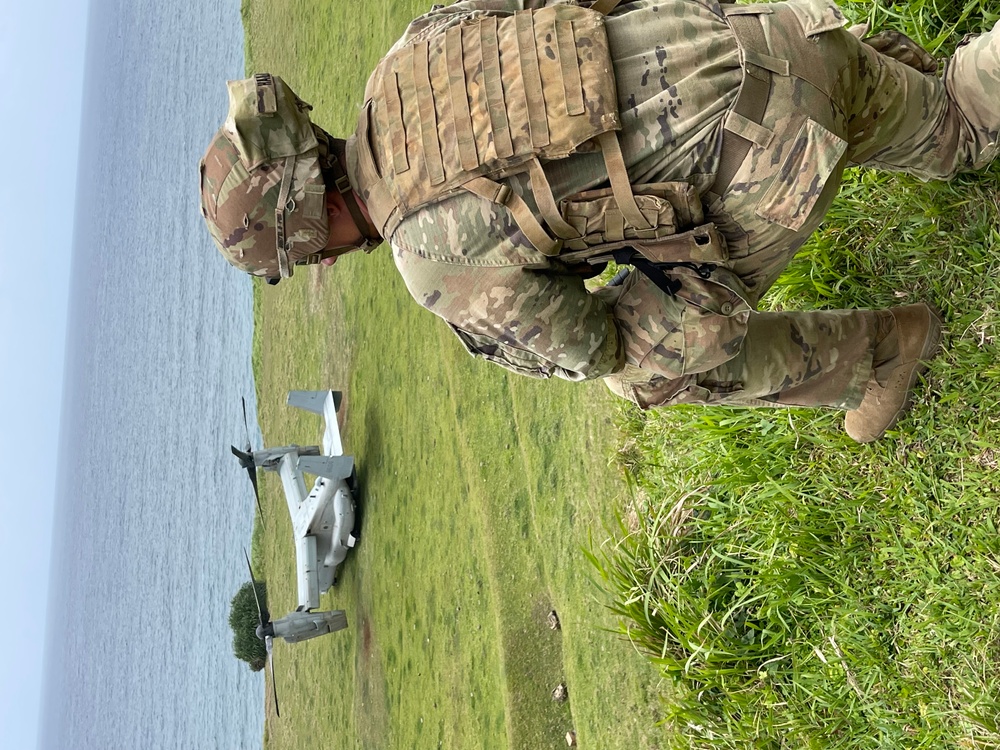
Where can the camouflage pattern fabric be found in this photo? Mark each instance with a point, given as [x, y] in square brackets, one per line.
[834, 101]
[466, 260]
[820, 358]
[430, 146]
[266, 135]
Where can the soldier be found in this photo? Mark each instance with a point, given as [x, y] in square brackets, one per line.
[507, 149]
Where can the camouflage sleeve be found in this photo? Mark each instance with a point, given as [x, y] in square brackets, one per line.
[545, 324]
[537, 324]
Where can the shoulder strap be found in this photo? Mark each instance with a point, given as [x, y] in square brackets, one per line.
[605, 6]
[340, 180]
[502, 195]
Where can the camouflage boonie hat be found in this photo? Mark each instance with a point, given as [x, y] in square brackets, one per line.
[262, 190]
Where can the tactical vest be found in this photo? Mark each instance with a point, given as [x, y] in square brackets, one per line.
[495, 96]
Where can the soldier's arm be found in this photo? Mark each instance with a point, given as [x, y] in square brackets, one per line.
[538, 324]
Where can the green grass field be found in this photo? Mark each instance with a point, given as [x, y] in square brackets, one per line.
[479, 494]
[806, 592]
[790, 588]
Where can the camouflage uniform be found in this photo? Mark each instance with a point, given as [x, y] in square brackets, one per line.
[678, 66]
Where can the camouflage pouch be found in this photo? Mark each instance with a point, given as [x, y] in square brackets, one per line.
[674, 210]
[509, 357]
[647, 389]
[667, 206]
[267, 121]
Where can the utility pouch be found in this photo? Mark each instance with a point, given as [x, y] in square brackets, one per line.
[598, 220]
[605, 234]
[702, 246]
[507, 355]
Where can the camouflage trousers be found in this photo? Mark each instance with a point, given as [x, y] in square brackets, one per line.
[833, 102]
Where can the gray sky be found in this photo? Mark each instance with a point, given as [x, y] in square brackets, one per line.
[41, 54]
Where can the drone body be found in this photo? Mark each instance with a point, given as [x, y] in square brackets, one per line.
[322, 521]
[322, 518]
[301, 626]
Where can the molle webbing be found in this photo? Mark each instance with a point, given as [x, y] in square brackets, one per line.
[604, 7]
[742, 126]
[487, 98]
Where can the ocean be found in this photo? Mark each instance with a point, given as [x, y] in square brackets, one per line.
[152, 511]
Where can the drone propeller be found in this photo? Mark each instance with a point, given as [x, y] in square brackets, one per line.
[246, 423]
[269, 645]
[246, 461]
[268, 640]
[260, 610]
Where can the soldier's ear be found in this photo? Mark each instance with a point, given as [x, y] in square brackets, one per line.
[333, 201]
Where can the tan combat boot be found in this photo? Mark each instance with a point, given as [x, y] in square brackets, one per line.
[906, 337]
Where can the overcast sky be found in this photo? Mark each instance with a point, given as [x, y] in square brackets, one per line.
[41, 54]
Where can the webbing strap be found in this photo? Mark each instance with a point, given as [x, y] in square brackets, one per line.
[379, 201]
[605, 6]
[614, 225]
[493, 83]
[336, 175]
[572, 83]
[751, 100]
[313, 258]
[279, 217]
[614, 162]
[464, 133]
[666, 284]
[407, 93]
[343, 184]
[370, 240]
[547, 204]
[502, 195]
[538, 124]
[394, 120]
[428, 116]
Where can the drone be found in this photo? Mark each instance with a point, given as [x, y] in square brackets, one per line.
[293, 627]
[323, 519]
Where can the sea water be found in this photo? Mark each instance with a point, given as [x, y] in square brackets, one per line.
[152, 510]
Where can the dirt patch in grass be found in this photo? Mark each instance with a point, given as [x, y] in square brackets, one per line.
[371, 699]
[366, 640]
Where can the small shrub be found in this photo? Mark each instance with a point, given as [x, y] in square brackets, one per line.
[243, 619]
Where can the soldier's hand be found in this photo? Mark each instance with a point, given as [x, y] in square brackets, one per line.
[898, 46]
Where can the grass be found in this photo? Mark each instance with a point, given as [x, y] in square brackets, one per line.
[473, 524]
[801, 591]
[479, 492]
[790, 589]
